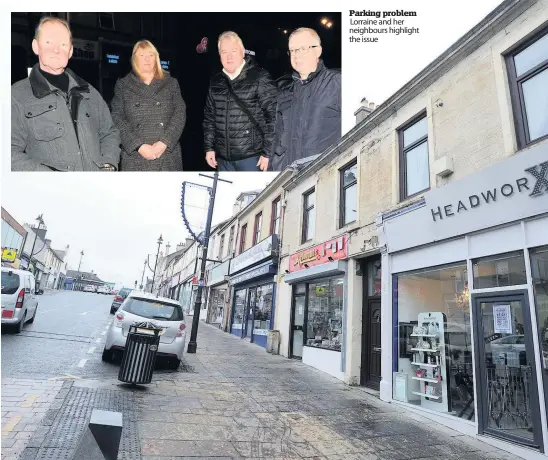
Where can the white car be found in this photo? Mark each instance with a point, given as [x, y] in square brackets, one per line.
[19, 298]
[89, 288]
[163, 312]
[103, 290]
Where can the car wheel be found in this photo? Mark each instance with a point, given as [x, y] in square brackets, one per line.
[20, 324]
[107, 355]
[174, 364]
[33, 316]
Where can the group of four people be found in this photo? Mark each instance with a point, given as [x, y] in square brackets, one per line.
[251, 122]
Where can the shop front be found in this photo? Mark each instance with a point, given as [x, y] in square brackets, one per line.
[465, 303]
[318, 278]
[218, 293]
[252, 277]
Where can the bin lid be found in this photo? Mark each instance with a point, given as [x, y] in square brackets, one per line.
[147, 325]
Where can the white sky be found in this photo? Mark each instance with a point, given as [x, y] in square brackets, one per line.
[116, 221]
[117, 218]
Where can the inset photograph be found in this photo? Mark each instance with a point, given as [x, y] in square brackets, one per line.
[173, 91]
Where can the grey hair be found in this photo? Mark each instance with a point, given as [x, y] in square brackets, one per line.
[45, 19]
[310, 31]
[232, 36]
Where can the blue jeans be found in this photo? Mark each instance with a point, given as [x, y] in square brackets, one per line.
[247, 164]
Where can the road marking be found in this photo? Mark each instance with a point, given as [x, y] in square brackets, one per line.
[28, 402]
[82, 363]
[103, 333]
[91, 350]
[98, 340]
[85, 313]
[8, 427]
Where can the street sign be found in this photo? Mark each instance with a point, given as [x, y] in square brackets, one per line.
[9, 255]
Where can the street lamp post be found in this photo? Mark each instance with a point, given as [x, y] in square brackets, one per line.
[40, 221]
[81, 255]
[160, 241]
[143, 275]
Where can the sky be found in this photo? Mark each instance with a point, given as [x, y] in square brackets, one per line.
[116, 221]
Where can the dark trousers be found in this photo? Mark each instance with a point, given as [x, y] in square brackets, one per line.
[247, 164]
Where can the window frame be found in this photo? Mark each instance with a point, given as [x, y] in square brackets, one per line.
[257, 227]
[221, 247]
[230, 240]
[515, 84]
[305, 214]
[273, 213]
[342, 190]
[243, 236]
[403, 151]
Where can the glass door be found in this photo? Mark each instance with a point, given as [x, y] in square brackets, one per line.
[505, 366]
[298, 326]
[250, 312]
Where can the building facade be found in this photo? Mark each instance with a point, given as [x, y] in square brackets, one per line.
[13, 240]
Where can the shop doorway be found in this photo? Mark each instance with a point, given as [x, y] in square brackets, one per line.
[250, 309]
[505, 368]
[371, 324]
[297, 328]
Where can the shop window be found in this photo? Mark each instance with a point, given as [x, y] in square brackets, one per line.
[230, 241]
[349, 194]
[433, 346]
[500, 270]
[276, 213]
[239, 309]
[324, 317]
[217, 304]
[221, 247]
[528, 78]
[539, 273]
[263, 309]
[309, 215]
[414, 166]
[257, 228]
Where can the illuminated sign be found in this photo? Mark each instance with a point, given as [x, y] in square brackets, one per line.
[112, 58]
[326, 252]
[165, 64]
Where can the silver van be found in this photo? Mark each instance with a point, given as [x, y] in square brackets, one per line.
[19, 299]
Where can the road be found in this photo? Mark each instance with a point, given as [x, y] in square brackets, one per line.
[66, 339]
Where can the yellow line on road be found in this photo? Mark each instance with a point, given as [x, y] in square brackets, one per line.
[28, 402]
[8, 427]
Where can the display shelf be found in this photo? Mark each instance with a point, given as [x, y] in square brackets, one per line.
[424, 395]
[423, 335]
[425, 350]
[426, 364]
[422, 379]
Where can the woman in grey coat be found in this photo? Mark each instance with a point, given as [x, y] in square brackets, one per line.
[150, 113]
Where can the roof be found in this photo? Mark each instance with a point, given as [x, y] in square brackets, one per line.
[86, 276]
[60, 254]
[147, 295]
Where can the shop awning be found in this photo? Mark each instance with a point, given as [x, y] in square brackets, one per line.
[319, 271]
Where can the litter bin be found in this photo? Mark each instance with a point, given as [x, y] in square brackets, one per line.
[140, 353]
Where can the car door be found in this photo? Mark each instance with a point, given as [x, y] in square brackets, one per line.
[30, 297]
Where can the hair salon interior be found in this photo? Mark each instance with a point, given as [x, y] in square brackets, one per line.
[412, 257]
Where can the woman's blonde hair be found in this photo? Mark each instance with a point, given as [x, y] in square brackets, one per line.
[147, 46]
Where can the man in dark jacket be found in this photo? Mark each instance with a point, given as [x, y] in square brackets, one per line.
[58, 121]
[308, 118]
[240, 111]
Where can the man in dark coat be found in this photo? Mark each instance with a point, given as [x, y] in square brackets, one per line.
[58, 121]
[308, 118]
[240, 111]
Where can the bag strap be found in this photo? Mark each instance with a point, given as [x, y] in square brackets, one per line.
[245, 109]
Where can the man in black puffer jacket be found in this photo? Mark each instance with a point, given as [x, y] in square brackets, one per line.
[240, 111]
[308, 119]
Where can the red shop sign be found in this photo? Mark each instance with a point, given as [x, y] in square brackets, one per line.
[335, 248]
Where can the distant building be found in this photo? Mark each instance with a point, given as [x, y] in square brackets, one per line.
[13, 240]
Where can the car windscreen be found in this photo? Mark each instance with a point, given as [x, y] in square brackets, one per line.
[10, 283]
[153, 309]
[124, 292]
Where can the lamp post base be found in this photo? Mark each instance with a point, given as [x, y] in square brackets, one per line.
[191, 347]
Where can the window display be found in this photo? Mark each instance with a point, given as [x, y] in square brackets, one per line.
[434, 339]
[324, 318]
[239, 309]
[263, 309]
[217, 305]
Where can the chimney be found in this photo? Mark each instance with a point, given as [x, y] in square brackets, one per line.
[188, 242]
[180, 247]
[48, 242]
[168, 246]
[365, 109]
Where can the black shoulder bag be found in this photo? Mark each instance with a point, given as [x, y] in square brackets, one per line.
[242, 106]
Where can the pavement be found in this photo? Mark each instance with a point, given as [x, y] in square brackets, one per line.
[230, 400]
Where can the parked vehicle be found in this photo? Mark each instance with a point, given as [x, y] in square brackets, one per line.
[19, 298]
[119, 298]
[89, 288]
[163, 312]
[103, 290]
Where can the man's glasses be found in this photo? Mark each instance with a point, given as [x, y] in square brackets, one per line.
[302, 50]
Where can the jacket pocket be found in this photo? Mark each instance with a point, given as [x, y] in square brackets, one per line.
[44, 121]
[59, 165]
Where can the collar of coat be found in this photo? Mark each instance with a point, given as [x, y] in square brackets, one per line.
[297, 77]
[249, 63]
[135, 84]
[41, 87]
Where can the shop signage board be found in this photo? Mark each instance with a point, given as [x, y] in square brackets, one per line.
[261, 251]
[87, 50]
[251, 274]
[328, 251]
[217, 274]
[512, 189]
[9, 255]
